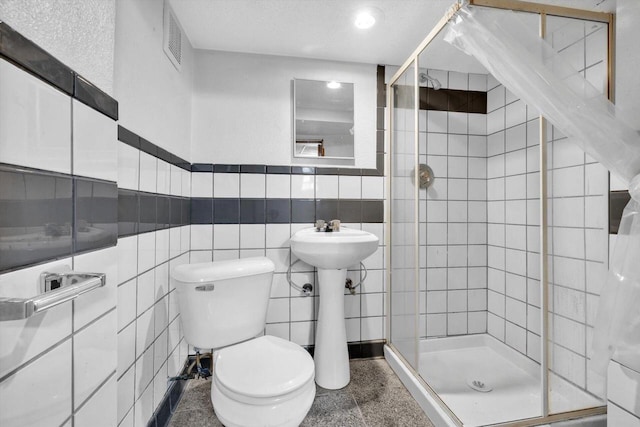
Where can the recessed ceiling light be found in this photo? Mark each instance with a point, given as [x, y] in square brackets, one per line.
[365, 20]
[333, 85]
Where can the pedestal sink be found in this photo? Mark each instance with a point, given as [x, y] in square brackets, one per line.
[332, 253]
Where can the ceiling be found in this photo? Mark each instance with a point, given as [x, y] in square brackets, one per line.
[321, 29]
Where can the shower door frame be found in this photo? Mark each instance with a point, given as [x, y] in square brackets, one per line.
[543, 10]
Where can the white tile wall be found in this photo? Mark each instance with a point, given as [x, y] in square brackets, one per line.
[95, 148]
[46, 380]
[38, 116]
[65, 359]
[576, 238]
[453, 228]
[290, 315]
[623, 395]
[150, 345]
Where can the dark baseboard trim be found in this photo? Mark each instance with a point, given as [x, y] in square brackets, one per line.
[167, 407]
[361, 349]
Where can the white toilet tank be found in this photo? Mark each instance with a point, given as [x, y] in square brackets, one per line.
[223, 302]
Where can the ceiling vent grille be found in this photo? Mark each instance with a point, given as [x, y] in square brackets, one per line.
[172, 38]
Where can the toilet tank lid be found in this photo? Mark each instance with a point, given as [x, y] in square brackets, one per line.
[221, 270]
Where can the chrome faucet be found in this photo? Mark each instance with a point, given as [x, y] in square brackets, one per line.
[333, 225]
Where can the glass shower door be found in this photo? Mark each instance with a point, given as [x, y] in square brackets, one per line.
[403, 218]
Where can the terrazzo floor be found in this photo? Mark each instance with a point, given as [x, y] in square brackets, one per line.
[375, 397]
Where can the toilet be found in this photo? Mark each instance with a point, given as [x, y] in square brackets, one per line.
[257, 380]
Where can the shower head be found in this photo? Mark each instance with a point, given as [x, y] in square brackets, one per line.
[426, 78]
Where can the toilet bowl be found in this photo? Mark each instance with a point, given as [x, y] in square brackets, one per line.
[267, 379]
[257, 380]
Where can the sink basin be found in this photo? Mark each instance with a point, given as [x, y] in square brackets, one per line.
[332, 253]
[335, 250]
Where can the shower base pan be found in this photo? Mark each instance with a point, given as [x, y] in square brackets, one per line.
[485, 382]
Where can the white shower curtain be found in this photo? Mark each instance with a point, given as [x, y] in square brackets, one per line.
[530, 68]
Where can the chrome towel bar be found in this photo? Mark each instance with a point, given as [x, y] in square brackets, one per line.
[60, 288]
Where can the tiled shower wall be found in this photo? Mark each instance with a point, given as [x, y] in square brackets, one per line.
[513, 205]
[452, 214]
[577, 215]
[579, 220]
[624, 372]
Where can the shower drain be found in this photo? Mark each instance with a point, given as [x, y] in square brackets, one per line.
[479, 385]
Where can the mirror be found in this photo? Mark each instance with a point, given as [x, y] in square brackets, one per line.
[323, 119]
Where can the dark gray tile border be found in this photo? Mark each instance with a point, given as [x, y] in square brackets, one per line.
[146, 146]
[163, 212]
[327, 209]
[226, 211]
[32, 58]
[303, 211]
[147, 211]
[186, 211]
[226, 168]
[273, 211]
[350, 210]
[96, 214]
[452, 100]
[202, 167]
[252, 211]
[201, 210]
[328, 171]
[180, 162]
[380, 118]
[617, 202]
[253, 168]
[281, 170]
[373, 211]
[278, 211]
[127, 213]
[379, 141]
[89, 94]
[350, 171]
[141, 212]
[38, 62]
[176, 211]
[36, 211]
[381, 99]
[71, 215]
[164, 155]
[303, 170]
[292, 170]
[128, 137]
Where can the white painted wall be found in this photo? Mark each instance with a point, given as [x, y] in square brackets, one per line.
[80, 33]
[242, 107]
[154, 97]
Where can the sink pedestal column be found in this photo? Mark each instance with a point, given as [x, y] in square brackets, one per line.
[330, 354]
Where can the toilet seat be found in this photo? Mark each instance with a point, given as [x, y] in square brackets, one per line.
[263, 367]
[266, 381]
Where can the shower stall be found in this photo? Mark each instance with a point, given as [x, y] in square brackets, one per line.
[495, 263]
